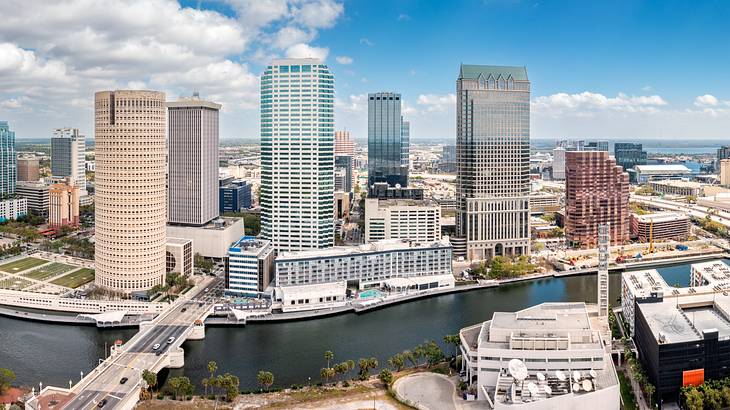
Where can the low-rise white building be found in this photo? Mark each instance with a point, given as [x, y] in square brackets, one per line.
[414, 220]
[213, 239]
[542, 202]
[560, 350]
[308, 297]
[13, 209]
[249, 266]
[179, 256]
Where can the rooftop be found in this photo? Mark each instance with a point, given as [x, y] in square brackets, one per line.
[663, 168]
[177, 241]
[472, 71]
[678, 183]
[379, 246]
[675, 320]
[248, 243]
[661, 217]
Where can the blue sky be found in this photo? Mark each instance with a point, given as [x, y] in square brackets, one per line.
[619, 69]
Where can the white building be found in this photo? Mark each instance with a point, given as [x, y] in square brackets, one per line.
[559, 163]
[414, 220]
[368, 266]
[13, 209]
[308, 297]
[192, 161]
[213, 239]
[37, 195]
[249, 266]
[646, 173]
[68, 157]
[297, 155]
[179, 256]
[542, 202]
[560, 349]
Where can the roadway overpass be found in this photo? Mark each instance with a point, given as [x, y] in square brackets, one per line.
[689, 209]
[130, 359]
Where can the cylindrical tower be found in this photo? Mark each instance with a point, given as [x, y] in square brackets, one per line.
[131, 195]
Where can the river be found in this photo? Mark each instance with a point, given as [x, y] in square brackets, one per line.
[293, 351]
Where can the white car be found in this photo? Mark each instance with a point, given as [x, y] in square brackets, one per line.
[156, 346]
[170, 340]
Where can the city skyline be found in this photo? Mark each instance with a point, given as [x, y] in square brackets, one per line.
[623, 84]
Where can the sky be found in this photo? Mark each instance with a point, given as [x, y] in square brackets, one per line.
[598, 69]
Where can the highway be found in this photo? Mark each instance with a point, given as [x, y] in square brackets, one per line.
[690, 209]
[139, 355]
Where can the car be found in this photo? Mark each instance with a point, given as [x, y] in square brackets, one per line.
[123, 380]
[171, 339]
[156, 346]
[183, 310]
[206, 290]
[159, 352]
[200, 304]
[102, 403]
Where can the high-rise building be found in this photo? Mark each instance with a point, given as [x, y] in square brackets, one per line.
[192, 155]
[448, 159]
[722, 153]
[343, 167]
[725, 172]
[345, 147]
[386, 141]
[63, 205]
[600, 145]
[297, 154]
[405, 145]
[131, 191]
[8, 160]
[629, 154]
[36, 193]
[28, 169]
[234, 196]
[414, 220]
[68, 157]
[559, 163]
[597, 192]
[493, 162]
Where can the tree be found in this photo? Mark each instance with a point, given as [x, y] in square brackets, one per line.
[385, 376]
[204, 264]
[453, 340]
[150, 378]
[230, 384]
[365, 365]
[649, 389]
[265, 379]
[408, 355]
[712, 399]
[340, 368]
[326, 373]
[397, 362]
[328, 355]
[205, 383]
[7, 377]
[212, 368]
[694, 399]
[433, 353]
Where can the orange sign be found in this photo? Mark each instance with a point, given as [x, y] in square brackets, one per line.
[693, 377]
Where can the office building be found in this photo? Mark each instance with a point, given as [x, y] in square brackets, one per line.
[549, 356]
[14, 208]
[448, 159]
[28, 169]
[558, 164]
[68, 157]
[725, 173]
[629, 154]
[36, 194]
[543, 202]
[8, 161]
[249, 267]
[493, 162]
[63, 204]
[212, 239]
[600, 145]
[179, 256]
[343, 173]
[413, 220]
[661, 226]
[130, 211]
[597, 192]
[386, 140]
[381, 190]
[192, 156]
[234, 196]
[342, 204]
[345, 148]
[405, 145]
[722, 153]
[369, 265]
[297, 155]
[644, 174]
[677, 187]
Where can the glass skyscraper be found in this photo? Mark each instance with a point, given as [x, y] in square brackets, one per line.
[68, 157]
[493, 162]
[387, 142]
[8, 160]
[629, 154]
[297, 154]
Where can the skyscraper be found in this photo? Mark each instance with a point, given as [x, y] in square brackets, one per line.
[68, 157]
[297, 154]
[63, 205]
[28, 169]
[345, 147]
[596, 192]
[628, 154]
[386, 143]
[192, 181]
[131, 192]
[493, 162]
[8, 160]
[405, 145]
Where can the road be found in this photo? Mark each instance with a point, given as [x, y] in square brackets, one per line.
[690, 209]
[140, 356]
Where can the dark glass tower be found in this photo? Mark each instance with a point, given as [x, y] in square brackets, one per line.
[387, 141]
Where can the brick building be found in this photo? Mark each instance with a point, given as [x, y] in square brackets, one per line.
[597, 192]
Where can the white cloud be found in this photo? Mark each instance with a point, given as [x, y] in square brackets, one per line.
[356, 103]
[344, 60]
[288, 36]
[13, 103]
[302, 50]
[706, 100]
[586, 103]
[367, 42]
[436, 103]
[318, 13]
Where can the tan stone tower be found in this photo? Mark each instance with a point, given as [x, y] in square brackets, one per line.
[131, 195]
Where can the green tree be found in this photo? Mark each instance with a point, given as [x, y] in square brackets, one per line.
[694, 399]
[205, 384]
[649, 389]
[150, 378]
[265, 379]
[231, 385]
[385, 376]
[341, 368]
[410, 357]
[712, 398]
[453, 340]
[204, 264]
[326, 373]
[433, 353]
[7, 377]
[365, 366]
[397, 362]
[328, 355]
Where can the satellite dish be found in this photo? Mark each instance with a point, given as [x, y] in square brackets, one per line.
[532, 387]
[560, 375]
[587, 385]
[576, 376]
[576, 387]
[517, 369]
[593, 374]
[540, 377]
[547, 389]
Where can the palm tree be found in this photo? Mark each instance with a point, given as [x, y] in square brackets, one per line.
[453, 340]
[419, 352]
[204, 382]
[408, 355]
[350, 365]
[265, 379]
[328, 355]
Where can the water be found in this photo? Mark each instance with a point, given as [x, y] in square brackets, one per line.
[293, 351]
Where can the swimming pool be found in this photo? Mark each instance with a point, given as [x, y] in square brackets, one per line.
[372, 293]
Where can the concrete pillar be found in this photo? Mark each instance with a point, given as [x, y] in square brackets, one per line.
[176, 358]
[198, 333]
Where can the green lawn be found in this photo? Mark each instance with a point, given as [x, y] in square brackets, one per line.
[626, 394]
[49, 271]
[76, 278]
[22, 264]
[14, 283]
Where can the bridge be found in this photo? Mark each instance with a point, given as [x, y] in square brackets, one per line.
[182, 321]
